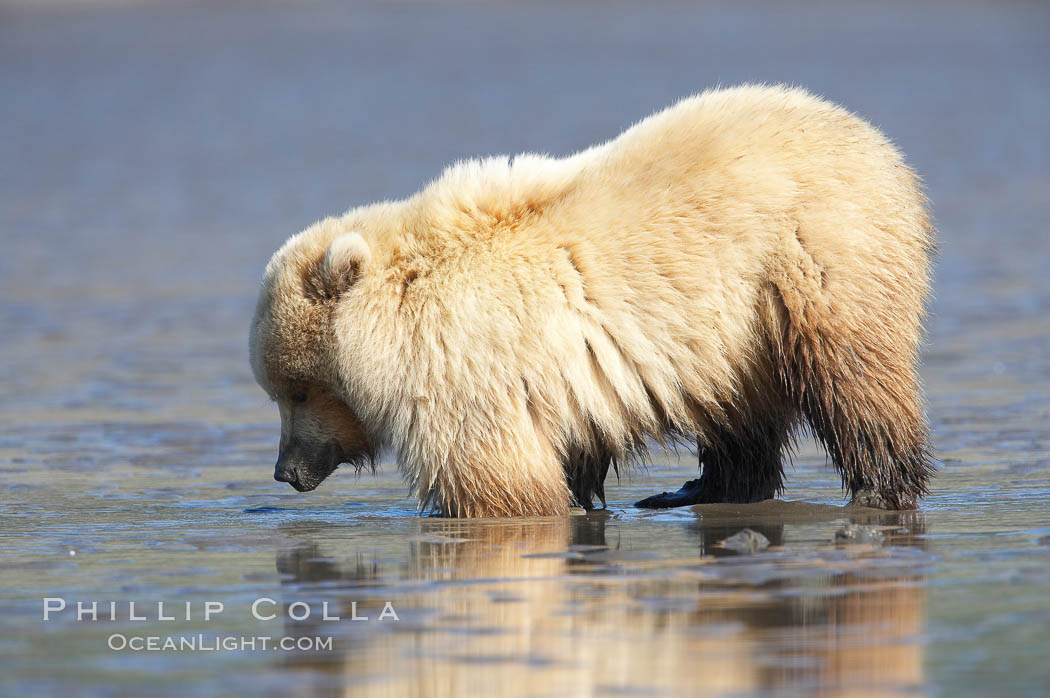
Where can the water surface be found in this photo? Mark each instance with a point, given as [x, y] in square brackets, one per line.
[157, 155]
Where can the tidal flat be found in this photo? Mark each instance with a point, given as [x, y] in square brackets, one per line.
[159, 153]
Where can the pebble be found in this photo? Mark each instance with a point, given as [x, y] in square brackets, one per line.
[746, 542]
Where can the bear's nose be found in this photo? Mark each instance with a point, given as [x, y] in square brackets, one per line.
[285, 474]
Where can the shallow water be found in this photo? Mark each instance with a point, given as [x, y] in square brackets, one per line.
[160, 154]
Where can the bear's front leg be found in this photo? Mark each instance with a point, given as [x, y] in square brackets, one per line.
[487, 475]
[586, 474]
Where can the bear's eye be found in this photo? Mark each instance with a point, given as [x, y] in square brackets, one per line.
[299, 396]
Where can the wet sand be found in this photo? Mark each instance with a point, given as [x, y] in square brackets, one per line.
[158, 155]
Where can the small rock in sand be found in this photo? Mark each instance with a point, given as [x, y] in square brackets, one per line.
[746, 542]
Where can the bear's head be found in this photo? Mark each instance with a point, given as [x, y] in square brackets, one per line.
[292, 353]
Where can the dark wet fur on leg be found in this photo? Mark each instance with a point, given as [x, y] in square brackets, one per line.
[585, 473]
[735, 469]
[862, 401]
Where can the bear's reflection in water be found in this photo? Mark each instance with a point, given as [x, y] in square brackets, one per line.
[564, 608]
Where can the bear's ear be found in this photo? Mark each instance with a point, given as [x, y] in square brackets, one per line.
[342, 265]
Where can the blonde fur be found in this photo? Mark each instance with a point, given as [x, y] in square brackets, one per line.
[744, 260]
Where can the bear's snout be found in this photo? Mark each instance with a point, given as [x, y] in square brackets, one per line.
[287, 470]
[304, 468]
[285, 473]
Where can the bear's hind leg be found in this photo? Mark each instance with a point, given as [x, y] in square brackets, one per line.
[877, 439]
[864, 405]
[848, 363]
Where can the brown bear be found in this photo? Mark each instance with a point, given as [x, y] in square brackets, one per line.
[741, 264]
